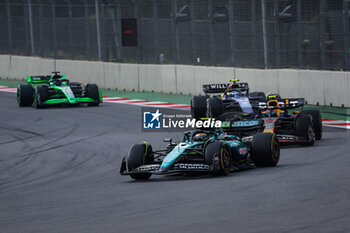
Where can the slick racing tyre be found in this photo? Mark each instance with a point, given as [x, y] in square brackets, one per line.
[304, 128]
[25, 95]
[41, 95]
[316, 121]
[265, 151]
[214, 107]
[218, 155]
[91, 91]
[198, 107]
[139, 154]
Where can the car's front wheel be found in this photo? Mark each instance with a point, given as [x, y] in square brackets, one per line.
[92, 91]
[139, 155]
[265, 151]
[304, 128]
[316, 121]
[41, 95]
[218, 155]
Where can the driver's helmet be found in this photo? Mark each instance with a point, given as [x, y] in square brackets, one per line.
[234, 94]
[56, 77]
[232, 86]
[200, 137]
[273, 103]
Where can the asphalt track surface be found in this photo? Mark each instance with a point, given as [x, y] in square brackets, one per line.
[59, 172]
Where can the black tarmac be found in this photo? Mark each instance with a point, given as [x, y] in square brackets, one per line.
[59, 172]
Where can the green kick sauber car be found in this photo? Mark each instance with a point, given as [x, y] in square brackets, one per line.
[55, 89]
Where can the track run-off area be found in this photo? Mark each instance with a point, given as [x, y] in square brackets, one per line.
[59, 172]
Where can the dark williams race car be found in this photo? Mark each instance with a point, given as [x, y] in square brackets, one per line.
[237, 104]
[213, 152]
[55, 89]
[233, 97]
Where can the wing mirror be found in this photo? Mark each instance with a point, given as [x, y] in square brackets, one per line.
[168, 140]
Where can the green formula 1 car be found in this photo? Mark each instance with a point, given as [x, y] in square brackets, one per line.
[55, 89]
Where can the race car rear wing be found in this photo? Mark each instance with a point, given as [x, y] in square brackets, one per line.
[38, 79]
[215, 88]
[293, 102]
[222, 87]
[288, 103]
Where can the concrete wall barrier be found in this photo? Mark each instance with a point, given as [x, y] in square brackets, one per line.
[157, 78]
[317, 87]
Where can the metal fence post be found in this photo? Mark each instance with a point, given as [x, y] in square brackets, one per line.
[155, 30]
[26, 28]
[139, 35]
[53, 27]
[43, 44]
[103, 33]
[175, 31]
[70, 34]
[232, 33]
[87, 29]
[299, 35]
[115, 31]
[277, 34]
[31, 27]
[346, 34]
[211, 33]
[9, 26]
[322, 33]
[253, 21]
[193, 25]
[98, 31]
[263, 13]
[119, 32]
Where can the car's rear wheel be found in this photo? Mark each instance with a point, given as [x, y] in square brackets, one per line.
[316, 121]
[265, 151]
[304, 128]
[214, 107]
[218, 155]
[41, 95]
[25, 95]
[91, 91]
[198, 107]
[139, 154]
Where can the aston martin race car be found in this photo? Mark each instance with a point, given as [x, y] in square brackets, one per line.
[55, 89]
[213, 152]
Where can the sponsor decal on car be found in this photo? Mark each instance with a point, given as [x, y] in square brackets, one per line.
[244, 123]
[190, 166]
[218, 86]
[286, 137]
[145, 168]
